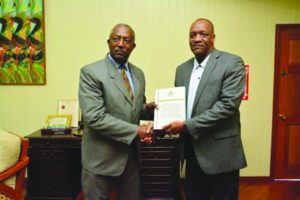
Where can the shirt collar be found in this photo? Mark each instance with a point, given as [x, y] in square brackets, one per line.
[116, 64]
[203, 63]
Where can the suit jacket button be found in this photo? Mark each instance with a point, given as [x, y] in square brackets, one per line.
[124, 140]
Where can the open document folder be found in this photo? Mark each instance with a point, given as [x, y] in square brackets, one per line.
[171, 106]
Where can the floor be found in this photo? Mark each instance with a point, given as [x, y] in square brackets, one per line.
[270, 190]
[267, 190]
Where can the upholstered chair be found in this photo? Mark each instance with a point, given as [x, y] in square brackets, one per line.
[13, 163]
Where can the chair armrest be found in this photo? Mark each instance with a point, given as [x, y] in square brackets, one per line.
[14, 169]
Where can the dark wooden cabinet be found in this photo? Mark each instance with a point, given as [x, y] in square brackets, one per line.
[54, 171]
[160, 170]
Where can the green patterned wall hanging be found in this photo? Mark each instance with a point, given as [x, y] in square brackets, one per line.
[22, 49]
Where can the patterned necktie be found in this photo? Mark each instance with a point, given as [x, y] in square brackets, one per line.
[126, 82]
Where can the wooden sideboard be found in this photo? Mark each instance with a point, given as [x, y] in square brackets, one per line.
[54, 171]
[160, 170]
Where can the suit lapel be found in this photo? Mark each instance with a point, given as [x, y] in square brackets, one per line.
[210, 66]
[136, 82]
[117, 79]
[189, 68]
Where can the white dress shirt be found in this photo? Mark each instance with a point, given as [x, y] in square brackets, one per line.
[194, 82]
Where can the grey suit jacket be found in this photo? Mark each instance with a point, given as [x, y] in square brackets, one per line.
[215, 124]
[110, 117]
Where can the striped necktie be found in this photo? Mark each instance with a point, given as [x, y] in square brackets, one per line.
[126, 82]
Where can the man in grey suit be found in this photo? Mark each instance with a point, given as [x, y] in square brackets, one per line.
[211, 134]
[112, 102]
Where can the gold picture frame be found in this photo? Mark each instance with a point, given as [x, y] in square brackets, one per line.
[58, 121]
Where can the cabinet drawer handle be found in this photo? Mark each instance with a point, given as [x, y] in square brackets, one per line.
[282, 116]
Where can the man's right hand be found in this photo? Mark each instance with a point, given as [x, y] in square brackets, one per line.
[145, 133]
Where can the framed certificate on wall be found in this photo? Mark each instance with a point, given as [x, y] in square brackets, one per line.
[70, 107]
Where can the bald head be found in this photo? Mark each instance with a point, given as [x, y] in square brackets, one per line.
[211, 25]
[126, 26]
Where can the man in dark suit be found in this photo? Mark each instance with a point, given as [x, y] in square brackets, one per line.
[215, 82]
[111, 96]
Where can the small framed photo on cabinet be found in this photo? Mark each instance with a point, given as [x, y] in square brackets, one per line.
[58, 121]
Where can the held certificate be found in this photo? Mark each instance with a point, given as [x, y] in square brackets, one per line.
[171, 106]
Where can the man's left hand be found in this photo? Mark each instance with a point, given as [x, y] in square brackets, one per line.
[151, 106]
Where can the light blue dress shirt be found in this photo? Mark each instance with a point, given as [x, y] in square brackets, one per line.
[127, 71]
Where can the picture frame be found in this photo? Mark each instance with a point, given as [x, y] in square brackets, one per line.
[58, 121]
[22, 42]
[70, 107]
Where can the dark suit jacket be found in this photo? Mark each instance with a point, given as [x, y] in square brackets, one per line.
[110, 117]
[215, 124]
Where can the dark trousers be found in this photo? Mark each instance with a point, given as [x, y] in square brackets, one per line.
[201, 186]
[98, 187]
